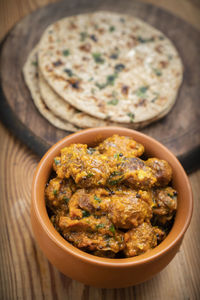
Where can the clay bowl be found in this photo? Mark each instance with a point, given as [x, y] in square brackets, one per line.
[105, 272]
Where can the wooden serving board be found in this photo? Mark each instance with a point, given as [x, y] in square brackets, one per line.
[179, 130]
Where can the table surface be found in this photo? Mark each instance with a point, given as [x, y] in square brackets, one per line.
[25, 273]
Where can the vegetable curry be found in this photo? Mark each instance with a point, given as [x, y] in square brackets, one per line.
[109, 202]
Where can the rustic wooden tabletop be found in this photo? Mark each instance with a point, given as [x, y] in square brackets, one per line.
[25, 272]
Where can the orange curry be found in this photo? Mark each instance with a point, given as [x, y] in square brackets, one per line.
[109, 202]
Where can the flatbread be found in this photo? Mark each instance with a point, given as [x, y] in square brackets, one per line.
[111, 66]
[64, 110]
[67, 112]
[30, 72]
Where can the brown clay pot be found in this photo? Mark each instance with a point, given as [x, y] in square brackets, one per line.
[105, 272]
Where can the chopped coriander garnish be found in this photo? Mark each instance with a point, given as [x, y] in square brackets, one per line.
[83, 35]
[91, 150]
[93, 37]
[172, 196]
[66, 199]
[101, 85]
[85, 213]
[113, 102]
[101, 225]
[116, 181]
[109, 81]
[35, 63]
[154, 99]
[56, 161]
[69, 72]
[112, 229]
[131, 116]
[55, 192]
[144, 40]
[116, 173]
[66, 52]
[157, 72]
[97, 57]
[141, 91]
[119, 67]
[112, 28]
[97, 198]
[114, 55]
[89, 175]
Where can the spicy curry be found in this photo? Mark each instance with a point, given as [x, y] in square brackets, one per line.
[109, 202]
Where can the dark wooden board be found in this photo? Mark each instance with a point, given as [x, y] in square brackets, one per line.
[179, 130]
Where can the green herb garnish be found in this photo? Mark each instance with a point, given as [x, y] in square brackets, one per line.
[172, 196]
[116, 173]
[119, 67]
[101, 225]
[89, 175]
[56, 161]
[101, 85]
[113, 102]
[131, 116]
[97, 198]
[112, 229]
[154, 99]
[85, 214]
[97, 57]
[112, 28]
[116, 181]
[69, 72]
[91, 150]
[144, 40]
[35, 63]
[141, 91]
[83, 35]
[157, 72]
[66, 199]
[55, 192]
[109, 81]
[66, 52]
[114, 55]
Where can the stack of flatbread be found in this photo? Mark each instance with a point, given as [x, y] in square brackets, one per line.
[102, 69]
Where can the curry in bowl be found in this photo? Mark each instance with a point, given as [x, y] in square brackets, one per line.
[109, 202]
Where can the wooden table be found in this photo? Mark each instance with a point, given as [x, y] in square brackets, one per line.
[25, 272]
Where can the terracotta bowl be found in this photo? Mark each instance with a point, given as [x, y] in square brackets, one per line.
[106, 272]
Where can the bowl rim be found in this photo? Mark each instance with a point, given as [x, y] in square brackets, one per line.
[147, 257]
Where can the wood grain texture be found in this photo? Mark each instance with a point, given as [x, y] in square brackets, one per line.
[179, 130]
[25, 273]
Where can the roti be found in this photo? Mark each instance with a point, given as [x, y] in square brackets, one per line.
[67, 112]
[113, 67]
[64, 110]
[30, 72]
[51, 106]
